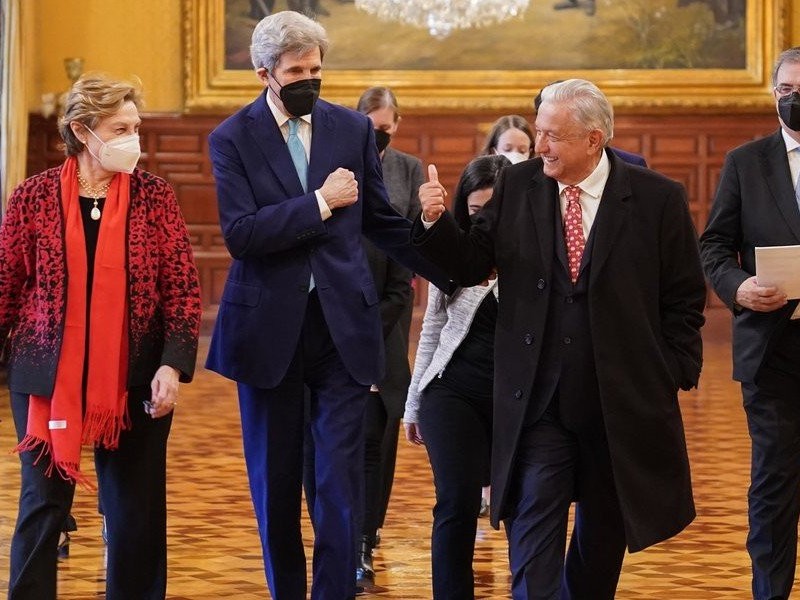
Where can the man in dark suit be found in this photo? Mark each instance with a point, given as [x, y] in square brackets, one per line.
[757, 205]
[599, 316]
[298, 183]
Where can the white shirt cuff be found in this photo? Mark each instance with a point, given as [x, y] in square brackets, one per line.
[324, 211]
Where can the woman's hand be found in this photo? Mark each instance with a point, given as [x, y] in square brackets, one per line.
[413, 434]
[164, 389]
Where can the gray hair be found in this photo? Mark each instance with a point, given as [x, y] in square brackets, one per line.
[590, 107]
[282, 32]
[792, 55]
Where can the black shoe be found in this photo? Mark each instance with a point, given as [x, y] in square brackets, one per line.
[365, 573]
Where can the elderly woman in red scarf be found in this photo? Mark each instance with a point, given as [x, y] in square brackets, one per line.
[100, 311]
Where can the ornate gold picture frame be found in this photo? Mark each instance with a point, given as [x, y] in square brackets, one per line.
[211, 87]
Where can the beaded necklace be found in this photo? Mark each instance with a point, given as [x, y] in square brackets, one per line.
[95, 192]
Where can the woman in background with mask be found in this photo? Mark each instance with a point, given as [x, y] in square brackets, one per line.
[449, 406]
[100, 312]
[402, 175]
[510, 136]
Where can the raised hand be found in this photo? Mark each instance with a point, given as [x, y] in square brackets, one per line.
[340, 189]
[431, 196]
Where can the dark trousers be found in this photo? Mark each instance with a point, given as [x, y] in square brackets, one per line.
[374, 430]
[391, 435]
[457, 434]
[380, 456]
[772, 405]
[273, 424]
[553, 467]
[133, 483]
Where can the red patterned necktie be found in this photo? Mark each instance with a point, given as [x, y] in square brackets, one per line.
[573, 231]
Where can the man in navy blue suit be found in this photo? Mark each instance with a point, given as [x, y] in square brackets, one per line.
[298, 183]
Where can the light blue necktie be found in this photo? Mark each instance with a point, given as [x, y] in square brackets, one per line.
[298, 152]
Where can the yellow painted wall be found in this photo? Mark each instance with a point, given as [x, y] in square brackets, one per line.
[120, 37]
[141, 37]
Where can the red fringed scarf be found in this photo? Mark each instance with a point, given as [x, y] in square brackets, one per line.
[58, 425]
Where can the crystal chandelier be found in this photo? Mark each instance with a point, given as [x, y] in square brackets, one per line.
[441, 17]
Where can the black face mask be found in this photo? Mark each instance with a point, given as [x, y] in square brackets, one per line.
[300, 96]
[789, 110]
[382, 139]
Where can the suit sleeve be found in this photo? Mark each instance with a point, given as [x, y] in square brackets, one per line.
[17, 241]
[385, 227]
[396, 295]
[722, 238]
[682, 290]
[252, 228]
[467, 257]
[178, 288]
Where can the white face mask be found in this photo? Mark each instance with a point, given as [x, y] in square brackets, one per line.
[514, 157]
[119, 154]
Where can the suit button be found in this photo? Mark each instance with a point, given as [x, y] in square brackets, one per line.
[303, 288]
[518, 394]
[541, 284]
[569, 300]
[567, 340]
[528, 339]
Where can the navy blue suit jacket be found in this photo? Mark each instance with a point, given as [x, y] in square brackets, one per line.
[277, 238]
[630, 157]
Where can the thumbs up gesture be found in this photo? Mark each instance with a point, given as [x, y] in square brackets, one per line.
[431, 196]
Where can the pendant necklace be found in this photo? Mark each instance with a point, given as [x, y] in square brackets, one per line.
[95, 193]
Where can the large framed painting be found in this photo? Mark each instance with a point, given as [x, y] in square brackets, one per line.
[647, 55]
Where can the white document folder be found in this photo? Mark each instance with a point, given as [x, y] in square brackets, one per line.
[779, 266]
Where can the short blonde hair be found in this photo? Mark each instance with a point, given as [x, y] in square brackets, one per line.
[93, 97]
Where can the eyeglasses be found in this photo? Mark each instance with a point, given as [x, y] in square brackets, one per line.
[784, 89]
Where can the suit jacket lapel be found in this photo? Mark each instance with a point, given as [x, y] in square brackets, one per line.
[267, 136]
[323, 144]
[611, 215]
[542, 198]
[775, 166]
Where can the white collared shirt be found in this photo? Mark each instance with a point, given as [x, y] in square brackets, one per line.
[591, 191]
[793, 155]
[304, 133]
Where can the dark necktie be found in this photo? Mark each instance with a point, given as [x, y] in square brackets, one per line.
[573, 231]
